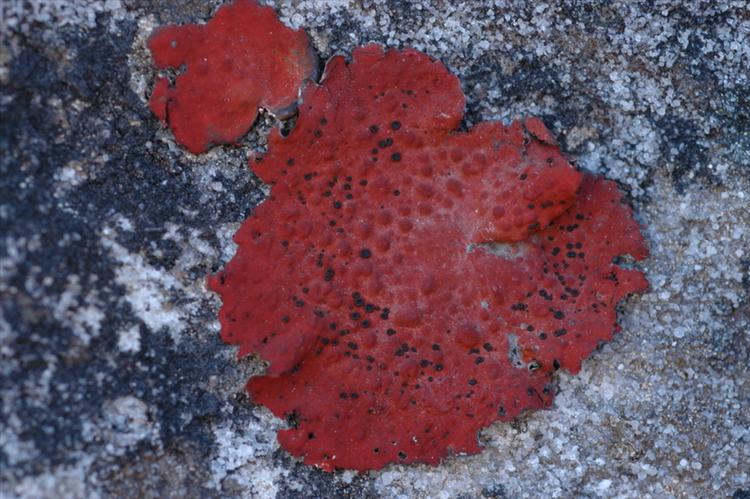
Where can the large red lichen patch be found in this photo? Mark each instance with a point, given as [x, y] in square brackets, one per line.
[242, 59]
[410, 283]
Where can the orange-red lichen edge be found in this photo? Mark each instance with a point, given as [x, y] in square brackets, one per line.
[410, 283]
[242, 59]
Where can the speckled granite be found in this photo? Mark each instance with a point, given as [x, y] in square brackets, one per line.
[113, 381]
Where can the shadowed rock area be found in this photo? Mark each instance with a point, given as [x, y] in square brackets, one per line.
[113, 380]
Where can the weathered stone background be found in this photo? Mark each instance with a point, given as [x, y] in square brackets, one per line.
[113, 380]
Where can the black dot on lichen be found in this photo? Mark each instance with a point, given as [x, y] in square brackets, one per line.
[396, 156]
[395, 125]
[365, 253]
[374, 129]
[390, 332]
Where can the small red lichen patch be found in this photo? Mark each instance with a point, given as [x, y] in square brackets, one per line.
[242, 59]
[408, 283]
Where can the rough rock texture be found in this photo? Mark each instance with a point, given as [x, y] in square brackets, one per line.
[113, 379]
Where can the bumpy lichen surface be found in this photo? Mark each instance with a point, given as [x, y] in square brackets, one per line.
[410, 283]
[242, 59]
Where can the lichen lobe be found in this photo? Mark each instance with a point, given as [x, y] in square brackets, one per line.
[242, 59]
[388, 340]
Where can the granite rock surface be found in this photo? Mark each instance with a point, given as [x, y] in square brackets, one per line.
[113, 380]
